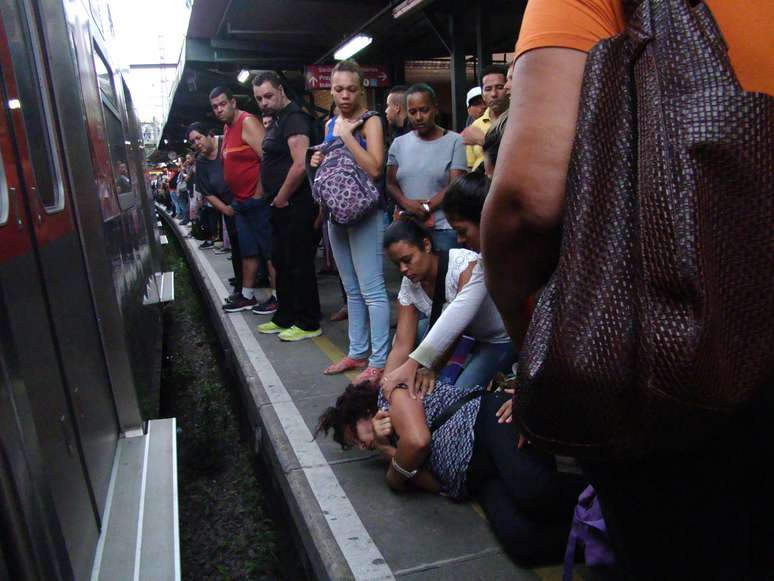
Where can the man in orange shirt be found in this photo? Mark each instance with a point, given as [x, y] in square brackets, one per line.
[702, 515]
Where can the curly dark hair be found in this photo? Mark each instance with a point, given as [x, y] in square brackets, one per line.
[357, 402]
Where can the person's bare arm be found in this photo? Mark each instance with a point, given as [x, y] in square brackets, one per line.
[413, 206]
[297, 144]
[473, 135]
[371, 159]
[218, 204]
[253, 133]
[405, 337]
[524, 207]
[414, 440]
[436, 201]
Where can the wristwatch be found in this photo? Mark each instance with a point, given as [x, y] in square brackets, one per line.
[407, 474]
[426, 207]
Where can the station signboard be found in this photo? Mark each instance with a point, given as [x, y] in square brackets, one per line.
[319, 76]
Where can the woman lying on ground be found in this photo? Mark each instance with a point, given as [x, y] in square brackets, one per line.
[469, 309]
[472, 453]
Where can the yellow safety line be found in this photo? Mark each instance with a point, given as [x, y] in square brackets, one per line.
[555, 573]
[478, 509]
[333, 353]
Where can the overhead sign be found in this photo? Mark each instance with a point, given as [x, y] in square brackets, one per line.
[319, 76]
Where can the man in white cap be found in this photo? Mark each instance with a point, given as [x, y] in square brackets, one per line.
[476, 105]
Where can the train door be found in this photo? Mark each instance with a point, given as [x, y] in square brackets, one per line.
[38, 369]
[45, 286]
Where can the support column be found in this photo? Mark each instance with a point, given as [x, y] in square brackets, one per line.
[483, 37]
[397, 70]
[458, 80]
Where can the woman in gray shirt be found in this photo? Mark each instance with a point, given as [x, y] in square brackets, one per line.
[422, 163]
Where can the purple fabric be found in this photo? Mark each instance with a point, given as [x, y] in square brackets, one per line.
[341, 186]
[590, 532]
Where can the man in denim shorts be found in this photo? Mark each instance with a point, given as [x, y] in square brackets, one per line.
[242, 151]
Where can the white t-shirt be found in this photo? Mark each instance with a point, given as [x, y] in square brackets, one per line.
[470, 311]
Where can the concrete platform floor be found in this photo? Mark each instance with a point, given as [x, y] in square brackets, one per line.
[351, 525]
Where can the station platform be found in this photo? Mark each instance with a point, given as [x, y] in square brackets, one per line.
[350, 525]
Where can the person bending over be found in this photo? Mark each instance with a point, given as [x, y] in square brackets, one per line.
[470, 310]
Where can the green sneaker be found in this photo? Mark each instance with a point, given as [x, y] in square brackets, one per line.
[271, 328]
[298, 334]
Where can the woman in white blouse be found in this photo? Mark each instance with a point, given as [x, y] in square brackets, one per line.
[468, 309]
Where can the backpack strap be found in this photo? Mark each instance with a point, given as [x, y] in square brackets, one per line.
[452, 409]
[439, 293]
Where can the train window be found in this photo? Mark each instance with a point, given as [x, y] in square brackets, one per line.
[114, 130]
[42, 138]
[4, 203]
[105, 79]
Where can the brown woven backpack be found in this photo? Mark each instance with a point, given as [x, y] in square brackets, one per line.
[658, 322]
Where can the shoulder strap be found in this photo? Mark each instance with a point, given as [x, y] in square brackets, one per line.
[439, 293]
[447, 413]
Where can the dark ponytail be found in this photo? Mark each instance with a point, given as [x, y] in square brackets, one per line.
[464, 199]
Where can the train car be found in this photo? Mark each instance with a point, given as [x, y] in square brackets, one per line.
[80, 331]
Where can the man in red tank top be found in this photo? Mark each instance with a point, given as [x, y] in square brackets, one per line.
[242, 152]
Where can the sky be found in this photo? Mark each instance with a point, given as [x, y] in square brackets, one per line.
[149, 32]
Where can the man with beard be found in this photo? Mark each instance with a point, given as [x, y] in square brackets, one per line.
[293, 212]
[497, 98]
[242, 150]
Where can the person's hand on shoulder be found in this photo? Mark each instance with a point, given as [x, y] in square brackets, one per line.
[473, 136]
[344, 127]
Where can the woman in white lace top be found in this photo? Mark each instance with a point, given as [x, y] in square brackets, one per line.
[468, 308]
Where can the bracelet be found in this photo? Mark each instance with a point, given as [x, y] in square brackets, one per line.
[407, 474]
[426, 207]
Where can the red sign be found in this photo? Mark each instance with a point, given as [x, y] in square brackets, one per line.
[319, 76]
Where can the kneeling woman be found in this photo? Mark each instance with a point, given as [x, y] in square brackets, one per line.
[458, 442]
[469, 310]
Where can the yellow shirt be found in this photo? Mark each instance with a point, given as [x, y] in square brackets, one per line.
[475, 153]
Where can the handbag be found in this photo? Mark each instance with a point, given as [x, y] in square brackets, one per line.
[340, 186]
[656, 325]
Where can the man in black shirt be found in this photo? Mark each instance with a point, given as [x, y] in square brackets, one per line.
[293, 212]
[210, 182]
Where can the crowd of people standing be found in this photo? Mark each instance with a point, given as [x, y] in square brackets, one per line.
[434, 398]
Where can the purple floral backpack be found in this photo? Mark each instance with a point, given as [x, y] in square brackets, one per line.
[341, 186]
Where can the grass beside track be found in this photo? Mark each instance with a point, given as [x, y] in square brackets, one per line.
[225, 528]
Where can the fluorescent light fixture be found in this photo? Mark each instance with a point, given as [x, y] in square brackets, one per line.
[409, 7]
[14, 104]
[243, 75]
[353, 46]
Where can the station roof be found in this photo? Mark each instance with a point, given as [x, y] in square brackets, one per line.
[225, 36]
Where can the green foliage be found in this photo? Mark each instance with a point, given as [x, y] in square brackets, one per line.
[226, 531]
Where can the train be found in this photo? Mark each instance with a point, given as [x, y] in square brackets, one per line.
[80, 277]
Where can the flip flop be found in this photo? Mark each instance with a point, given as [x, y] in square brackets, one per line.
[346, 364]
